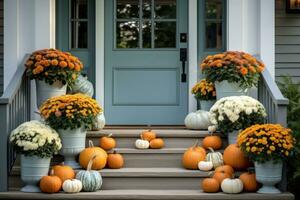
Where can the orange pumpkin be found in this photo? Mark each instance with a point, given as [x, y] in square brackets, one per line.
[192, 156]
[249, 182]
[115, 160]
[50, 184]
[220, 176]
[210, 185]
[86, 155]
[234, 157]
[226, 169]
[107, 142]
[157, 143]
[212, 141]
[148, 135]
[64, 172]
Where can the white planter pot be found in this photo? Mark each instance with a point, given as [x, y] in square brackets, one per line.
[33, 168]
[45, 91]
[232, 136]
[268, 174]
[73, 142]
[226, 89]
[205, 105]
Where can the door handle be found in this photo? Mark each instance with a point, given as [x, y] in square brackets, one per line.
[183, 59]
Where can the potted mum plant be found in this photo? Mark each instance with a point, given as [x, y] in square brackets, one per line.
[267, 145]
[205, 94]
[36, 142]
[53, 71]
[232, 72]
[232, 114]
[71, 116]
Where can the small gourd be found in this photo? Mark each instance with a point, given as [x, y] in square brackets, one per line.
[107, 142]
[210, 185]
[141, 143]
[197, 120]
[148, 135]
[220, 176]
[205, 165]
[226, 169]
[82, 85]
[215, 157]
[99, 122]
[157, 143]
[115, 160]
[212, 141]
[192, 156]
[72, 186]
[50, 184]
[232, 186]
[91, 180]
[249, 181]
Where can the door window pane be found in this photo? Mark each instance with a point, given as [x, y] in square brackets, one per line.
[213, 9]
[79, 36]
[213, 35]
[165, 9]
[79, 9]
[127, 34]
[127, 9]
[165, 35]
[147, 34]
[147, 9]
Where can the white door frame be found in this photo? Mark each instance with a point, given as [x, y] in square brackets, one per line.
[192, 49]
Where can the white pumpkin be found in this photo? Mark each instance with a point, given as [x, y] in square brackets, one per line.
[215, 157]
[72, 186]
[82, 85]
[205, 165]
[99, 122]
[232, 186]
[197, 120]
[142, 144]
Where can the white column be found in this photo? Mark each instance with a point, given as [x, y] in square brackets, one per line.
[267, 34]
[192, 49]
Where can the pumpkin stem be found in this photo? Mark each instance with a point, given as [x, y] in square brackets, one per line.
[211, 149]
[51, 172]
[114, 152]
[109, 135]
[211, 173]
[91, 144]
[89, 166]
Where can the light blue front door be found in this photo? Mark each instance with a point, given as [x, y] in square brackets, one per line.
[143, 84]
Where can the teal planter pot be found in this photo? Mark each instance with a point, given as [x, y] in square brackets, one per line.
[205, 105]
[232, 136]
[226, 89]
[268, 174]
[73, 142]
[33, 168]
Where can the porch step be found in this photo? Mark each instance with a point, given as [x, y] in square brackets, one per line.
[148, 195]
[140, 178]
[173, 138]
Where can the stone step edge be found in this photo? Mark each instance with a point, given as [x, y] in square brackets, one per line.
[135, 133]
[147, 194]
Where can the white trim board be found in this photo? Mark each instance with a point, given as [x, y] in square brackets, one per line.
[192, 49]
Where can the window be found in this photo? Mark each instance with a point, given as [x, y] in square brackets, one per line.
[214, 24]
[79, 24]
[145, 24]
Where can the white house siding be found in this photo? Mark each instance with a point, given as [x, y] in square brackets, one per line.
[287, 32]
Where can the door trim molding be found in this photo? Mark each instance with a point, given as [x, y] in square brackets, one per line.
[99, 52]
[193, 52]
[192, 56]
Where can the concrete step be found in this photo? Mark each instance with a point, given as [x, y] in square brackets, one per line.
[140, 178]
[147, 195]
[175, 138]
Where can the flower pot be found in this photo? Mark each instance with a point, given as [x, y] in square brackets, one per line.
[226, 89]
[33, 168]
[269, 174]
[205, 105]
[232, 136]
[73, 142]
[45, 91]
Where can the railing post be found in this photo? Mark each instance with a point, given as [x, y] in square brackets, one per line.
[4, 126]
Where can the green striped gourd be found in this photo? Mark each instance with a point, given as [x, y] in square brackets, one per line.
[215, 157]
[91, 179]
